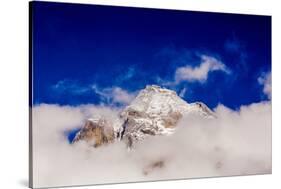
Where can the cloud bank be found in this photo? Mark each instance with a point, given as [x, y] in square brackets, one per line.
[236, 143]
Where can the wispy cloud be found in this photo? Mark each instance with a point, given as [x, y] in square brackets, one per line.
[200, 73]
[115, 95]
[265, 81]
[109, 95]
[70, 87]
[182, 92]
[183, 75]
[126, 75]
[233, 45]
[130, 73]
[122, 96]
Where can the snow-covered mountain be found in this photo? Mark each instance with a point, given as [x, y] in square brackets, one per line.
[155, 111]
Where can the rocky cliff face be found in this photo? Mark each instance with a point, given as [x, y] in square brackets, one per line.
[96, 132]
[155, 111]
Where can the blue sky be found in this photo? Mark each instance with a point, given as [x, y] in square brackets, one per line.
[103, 55]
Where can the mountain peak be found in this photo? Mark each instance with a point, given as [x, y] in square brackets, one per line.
[157, 88]
[96, 132]
[154, 111]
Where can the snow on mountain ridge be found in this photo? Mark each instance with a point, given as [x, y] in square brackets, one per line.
[155, 111]
[155, 100]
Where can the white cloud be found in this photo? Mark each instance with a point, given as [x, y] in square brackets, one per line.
[114, 94]
[199, 73]
[265, 80]
[237, 142]
[122, 96]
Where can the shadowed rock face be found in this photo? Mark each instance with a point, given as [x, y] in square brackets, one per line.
[96, 133]
[153, 166]
[138, 125]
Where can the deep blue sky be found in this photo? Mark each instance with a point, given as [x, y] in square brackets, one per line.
[78, 46]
